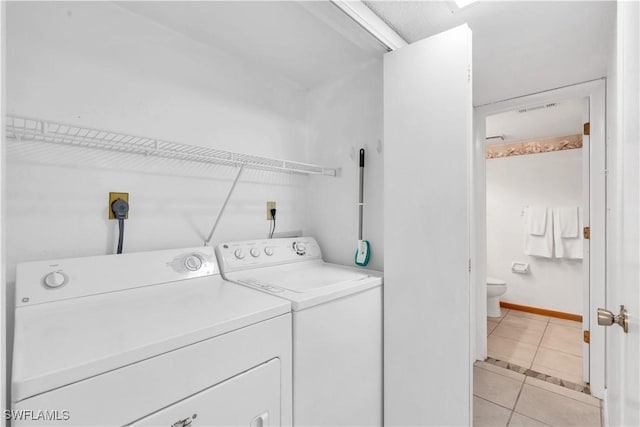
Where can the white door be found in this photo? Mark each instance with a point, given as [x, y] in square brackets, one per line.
[428, 140]
[623, 350]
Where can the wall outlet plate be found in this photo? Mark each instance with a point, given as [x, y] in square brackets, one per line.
[112, 198]
[270, 205]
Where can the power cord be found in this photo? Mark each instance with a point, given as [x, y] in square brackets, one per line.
[273, 216]
[120, 209]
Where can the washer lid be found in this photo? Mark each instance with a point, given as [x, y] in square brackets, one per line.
[66, 341]
[308, 283]
[494, 281]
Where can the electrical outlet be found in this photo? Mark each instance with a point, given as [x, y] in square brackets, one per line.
[270, 205]
[112, 198]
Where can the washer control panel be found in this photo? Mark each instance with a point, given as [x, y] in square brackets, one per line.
[47, 281]
[234, 256]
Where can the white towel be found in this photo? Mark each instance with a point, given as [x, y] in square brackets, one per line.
[536, 220]
[566, 222]
[538, 245]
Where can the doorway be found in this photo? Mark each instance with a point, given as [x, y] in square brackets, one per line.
[536, 254]
[593, 216]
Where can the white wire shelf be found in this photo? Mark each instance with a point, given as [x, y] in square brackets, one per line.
[30, 129]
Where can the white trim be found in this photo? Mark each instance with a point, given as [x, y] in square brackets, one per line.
[368, 20]
[478, 237]
[595, 90]
[605, 409]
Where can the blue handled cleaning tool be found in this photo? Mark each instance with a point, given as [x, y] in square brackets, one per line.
[364, 248]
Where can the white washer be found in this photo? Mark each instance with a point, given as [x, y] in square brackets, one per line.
[149, 338]
[337, 326]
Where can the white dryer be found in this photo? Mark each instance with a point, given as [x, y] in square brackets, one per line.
[149, 338]
[337, 326]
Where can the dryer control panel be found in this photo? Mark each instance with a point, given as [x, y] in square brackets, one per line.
[54, 280]
[235, 256]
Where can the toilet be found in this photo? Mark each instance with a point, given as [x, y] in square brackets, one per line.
[495, 289]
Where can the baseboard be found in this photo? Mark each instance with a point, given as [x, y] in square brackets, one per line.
[542, 311]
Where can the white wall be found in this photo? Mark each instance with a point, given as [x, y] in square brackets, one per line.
[545, 179]
[96, 64]
[343, 117]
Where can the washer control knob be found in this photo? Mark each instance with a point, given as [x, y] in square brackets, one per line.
[255, 252]
[268, 250]
[55, 279]
[239, 253]
[193, 262]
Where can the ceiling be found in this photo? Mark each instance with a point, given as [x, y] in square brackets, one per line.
[519, 47]
[539, 121]
[309, 43]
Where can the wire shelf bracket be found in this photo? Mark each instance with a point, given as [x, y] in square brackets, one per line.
[30, 129]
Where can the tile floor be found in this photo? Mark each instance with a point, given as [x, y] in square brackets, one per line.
[506, 398]
[544, 344]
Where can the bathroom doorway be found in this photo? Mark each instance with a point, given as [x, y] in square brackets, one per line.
[535, 203]
[566, 170]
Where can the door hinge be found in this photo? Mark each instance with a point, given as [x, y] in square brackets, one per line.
[586, 129]
[469, 265]
[586, 336]
[586, 233]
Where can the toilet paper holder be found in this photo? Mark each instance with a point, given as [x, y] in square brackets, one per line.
[520, 267]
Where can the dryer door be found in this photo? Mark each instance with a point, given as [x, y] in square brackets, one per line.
[248, 399]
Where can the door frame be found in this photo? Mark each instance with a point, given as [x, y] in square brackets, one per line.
[595, 91]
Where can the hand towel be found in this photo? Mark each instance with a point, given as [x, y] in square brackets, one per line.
[567, 222]
[567, 247]
[536, 220]
[538, 245]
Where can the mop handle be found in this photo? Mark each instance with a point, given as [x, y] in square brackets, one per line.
[361, 196]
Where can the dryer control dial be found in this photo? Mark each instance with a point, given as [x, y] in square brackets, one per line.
[239, 253]
[299, 247]
[193, 262]
[268, 251]
[255, 252]
[55, 279]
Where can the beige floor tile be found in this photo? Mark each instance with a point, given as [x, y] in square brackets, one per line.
[501, 371]
[491, 325]
[556, 363]
[495, 388]
[563, 338]
[519, 420]
[528, 315]
[524, 322]
[556, 410]
[565, 322]
[487, 414]
[526, 335]
[576, 395]
[509, 350]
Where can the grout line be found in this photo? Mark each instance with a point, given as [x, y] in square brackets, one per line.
[560, 351]
[540, 342]
[493, 403]
[516, 402]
